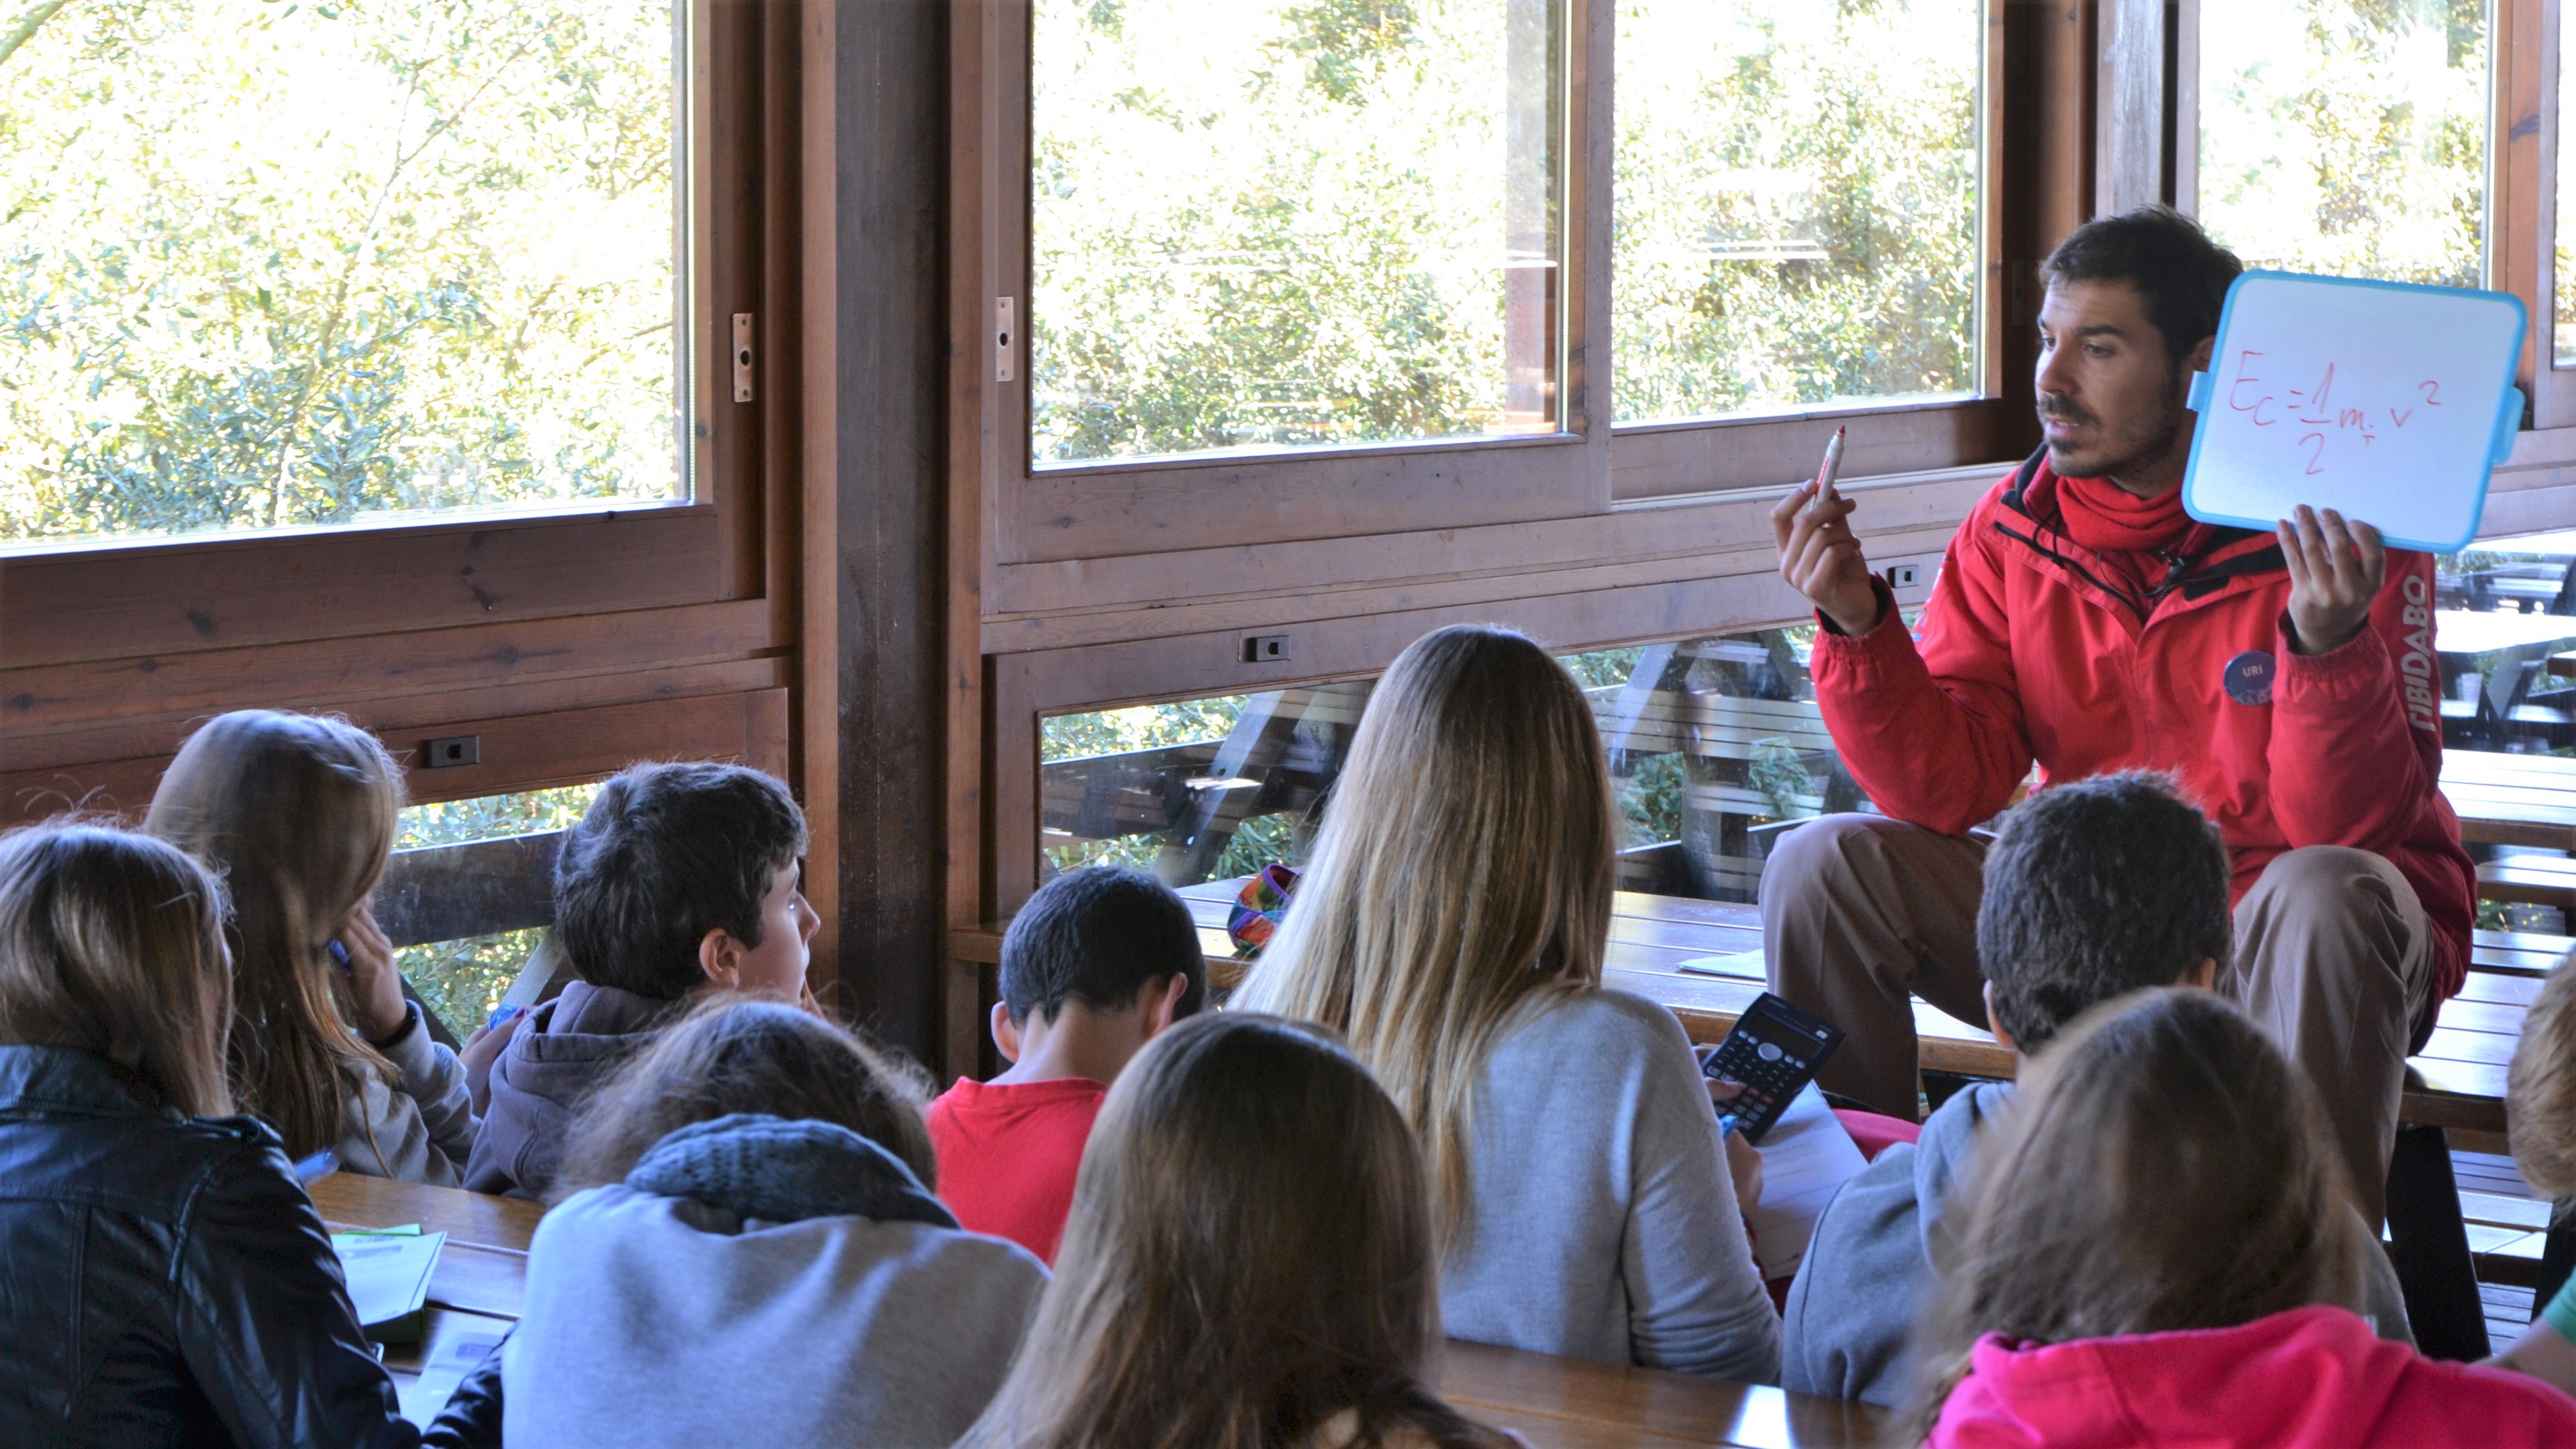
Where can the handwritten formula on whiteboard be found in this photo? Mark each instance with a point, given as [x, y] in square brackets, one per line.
[2390, 403]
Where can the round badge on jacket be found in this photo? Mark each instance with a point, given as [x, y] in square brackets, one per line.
[2248, 677]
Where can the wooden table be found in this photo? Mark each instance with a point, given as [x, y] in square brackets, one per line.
[1554, 1403]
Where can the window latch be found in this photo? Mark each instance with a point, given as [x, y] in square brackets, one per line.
[742, 357]
[1005, 315]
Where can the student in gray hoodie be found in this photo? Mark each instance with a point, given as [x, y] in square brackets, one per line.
[2093, 889]
[679, 882]
[752, 1258]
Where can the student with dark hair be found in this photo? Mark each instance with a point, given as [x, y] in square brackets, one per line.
[2083, 622]
[747, 1253]
[163, 1280]
[2092, 890]
[2160, 1250]
[680, 880]
[1098, 963]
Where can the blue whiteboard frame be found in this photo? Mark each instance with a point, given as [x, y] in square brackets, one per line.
[2509, 408]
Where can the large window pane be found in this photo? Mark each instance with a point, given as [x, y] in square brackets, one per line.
[1270, 224]
[267, 265]
[1795, 203]
[2347, 137]
[1715, 747]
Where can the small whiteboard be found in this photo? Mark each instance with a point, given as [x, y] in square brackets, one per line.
[2387, 402]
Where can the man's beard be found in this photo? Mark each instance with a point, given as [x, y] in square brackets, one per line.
[2137, 459]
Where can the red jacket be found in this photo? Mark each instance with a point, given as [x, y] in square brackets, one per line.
[2034, 647]
[2311, 1378]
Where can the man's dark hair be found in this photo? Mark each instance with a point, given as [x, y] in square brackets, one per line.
[2096, 889]
[2177, 270]
[1097, 935]
[665, 854]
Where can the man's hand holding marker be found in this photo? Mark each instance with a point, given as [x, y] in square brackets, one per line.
[1818, 554]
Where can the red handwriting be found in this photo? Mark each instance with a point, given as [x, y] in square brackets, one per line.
[2314, 408]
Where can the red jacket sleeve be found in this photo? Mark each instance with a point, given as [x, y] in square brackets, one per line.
[1934, 732]
[2351, 763]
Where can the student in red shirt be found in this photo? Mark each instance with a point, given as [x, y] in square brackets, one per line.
[1095, 965]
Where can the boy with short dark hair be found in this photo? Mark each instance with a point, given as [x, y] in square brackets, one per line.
[1095, 965]
[679, 880]
[2092, 890]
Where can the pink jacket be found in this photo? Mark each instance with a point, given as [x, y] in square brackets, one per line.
[2312, 1378]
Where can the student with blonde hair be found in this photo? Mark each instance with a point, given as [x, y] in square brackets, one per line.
[167, 1280]
[747, 1252]
[2540, 1118]
[2161, 1249]
[1248, 1264]
[298, 814]
[1451, 926]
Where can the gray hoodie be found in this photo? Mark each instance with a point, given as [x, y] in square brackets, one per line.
[1871, 1267]
[568, 1046]
[419, 1128]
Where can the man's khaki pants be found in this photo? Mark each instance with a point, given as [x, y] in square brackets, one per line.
[2334, 957]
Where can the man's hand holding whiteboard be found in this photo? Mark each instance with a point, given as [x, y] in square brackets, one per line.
[2378, 400]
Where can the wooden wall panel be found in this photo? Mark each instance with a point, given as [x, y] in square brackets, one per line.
[526, 752]
[878, 469]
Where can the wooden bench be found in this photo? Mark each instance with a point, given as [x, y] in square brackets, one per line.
[1554, 1403]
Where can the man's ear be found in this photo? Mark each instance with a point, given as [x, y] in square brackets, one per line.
[2198, 359]
[2204, 975]
[1995, 1026]
[1006, 1033]
[1163, 1005]
[720, 957]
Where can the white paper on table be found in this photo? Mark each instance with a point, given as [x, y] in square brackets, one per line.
[388, 1273]
[446, 1367]
[1806, 1158]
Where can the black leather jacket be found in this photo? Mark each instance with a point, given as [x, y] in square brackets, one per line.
[163, 1279]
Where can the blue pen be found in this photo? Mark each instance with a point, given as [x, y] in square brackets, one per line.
[1726, 1125]
[339, 955]
[502, 1013]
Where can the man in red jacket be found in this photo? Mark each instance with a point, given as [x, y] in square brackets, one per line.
[2083, 622]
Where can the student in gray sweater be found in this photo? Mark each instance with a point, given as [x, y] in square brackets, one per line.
[2093, 889]
[753, 1257]
[1451, 926]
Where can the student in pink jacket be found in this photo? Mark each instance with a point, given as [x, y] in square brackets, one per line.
[2159, 1254]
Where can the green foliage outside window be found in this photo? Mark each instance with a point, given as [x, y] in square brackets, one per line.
[1794, 217]
[2347, 137]
[268, 264]
[1264, 223]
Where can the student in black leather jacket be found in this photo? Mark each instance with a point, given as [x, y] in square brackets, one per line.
[163, 1278]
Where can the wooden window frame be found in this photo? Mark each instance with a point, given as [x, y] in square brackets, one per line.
[1037, 520]
[155, 600]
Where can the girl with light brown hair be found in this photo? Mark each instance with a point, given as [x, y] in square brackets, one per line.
[1248, 1264]
[2162, 1249]
[298, 813]
[168, 1281]
[1451, 925]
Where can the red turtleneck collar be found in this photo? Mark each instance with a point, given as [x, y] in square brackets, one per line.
[2103, 516]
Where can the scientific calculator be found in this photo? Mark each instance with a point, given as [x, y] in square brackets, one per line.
[1774, 1051]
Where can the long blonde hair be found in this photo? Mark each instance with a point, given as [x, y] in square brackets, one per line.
[1248, 1259]
[297, 813]
[112, 942]
[1464, 870]
[2163, 1167]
